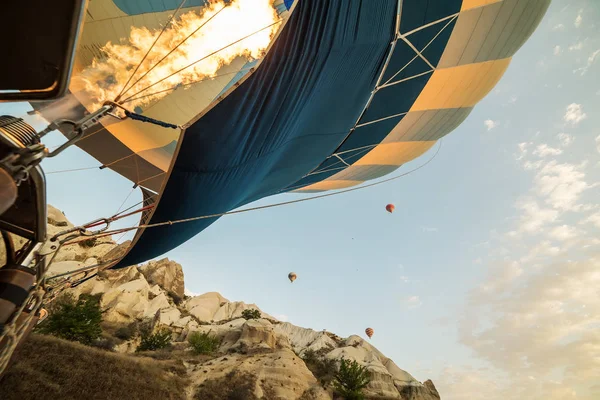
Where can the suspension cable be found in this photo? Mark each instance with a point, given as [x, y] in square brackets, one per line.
[146, 226]
[284, 203]
[149, 50]
[171, 51]
[203, 58]
[186, 84]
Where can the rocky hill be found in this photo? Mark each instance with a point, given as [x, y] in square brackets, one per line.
[284, 361]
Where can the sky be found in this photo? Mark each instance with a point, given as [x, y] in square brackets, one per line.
[486, 277]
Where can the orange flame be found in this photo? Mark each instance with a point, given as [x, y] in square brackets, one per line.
[105, 79]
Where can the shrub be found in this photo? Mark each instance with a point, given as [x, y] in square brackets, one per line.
[251, 314]
[105, 343]
[127, 332]
[233, 386]
[322, 368]
[351, 379]
[155, 341]
[203, 343]
[75, 320]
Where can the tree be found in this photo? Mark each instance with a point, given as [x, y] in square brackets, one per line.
[203, 343]
[251, 314]
[155, 341]
[351, 379]
[76, 320]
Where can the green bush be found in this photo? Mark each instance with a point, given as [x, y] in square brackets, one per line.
[323, 369]
[105, 343]
[155, 341]
[234, 386]
[76, 320]
[351, 379]
[203, 343]
[127, 332]
[251, 314]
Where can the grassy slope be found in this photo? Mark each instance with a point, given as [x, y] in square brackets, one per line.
[51, 368]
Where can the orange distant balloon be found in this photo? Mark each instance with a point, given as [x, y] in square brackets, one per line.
[369, 332]
[292, 276]
[390, 208]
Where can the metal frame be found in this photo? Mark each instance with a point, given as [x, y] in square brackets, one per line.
[61, 85]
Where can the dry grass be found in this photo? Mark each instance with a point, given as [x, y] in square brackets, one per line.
[51, 368]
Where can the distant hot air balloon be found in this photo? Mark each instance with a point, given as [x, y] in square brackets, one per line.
[292, 276]
[390, 208]
[369, 332]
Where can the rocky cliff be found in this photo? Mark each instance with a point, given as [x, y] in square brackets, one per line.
[273, 352]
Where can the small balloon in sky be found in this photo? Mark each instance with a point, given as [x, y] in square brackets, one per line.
[292, 276]
[390, 208]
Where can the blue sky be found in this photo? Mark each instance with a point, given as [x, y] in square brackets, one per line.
[483, 277]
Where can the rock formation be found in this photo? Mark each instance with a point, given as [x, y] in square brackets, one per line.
[269, 349]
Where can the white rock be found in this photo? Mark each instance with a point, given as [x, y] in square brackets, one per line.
[62, 267]
[205, 306]
[167, 316]
[156, 290]
[167, 274]
[157, 303]
[303, 339]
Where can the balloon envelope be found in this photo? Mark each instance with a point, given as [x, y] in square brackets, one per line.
[292, 276]
[390, 208]
[369, 332]
[330, 105]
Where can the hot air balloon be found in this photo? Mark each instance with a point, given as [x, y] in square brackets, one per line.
[282, 96]
[369, 332]
[412, 100]
[390, 208]
[292, 276]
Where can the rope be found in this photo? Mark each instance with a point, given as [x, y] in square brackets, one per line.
[149, 50]
[70, 170]
[125, 201]
[125, 230]
[172, 50]
[284, 203]
[143, 118]
[187, 84]
[203, 58]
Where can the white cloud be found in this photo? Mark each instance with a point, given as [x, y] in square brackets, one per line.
[534, 217]
[559, 27]
[282, 317]
[574, 114]
[593, 219]
[561, 185]
[429, 229]
[579, 19]
[538, 333]
[543, 150]
[541, 250]
[533, 321]
[590, 61]
[489, 124]
[556, 50]
[575, 47]
[563, 232]
[412, 302]
[565, 139]
[523, 150]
